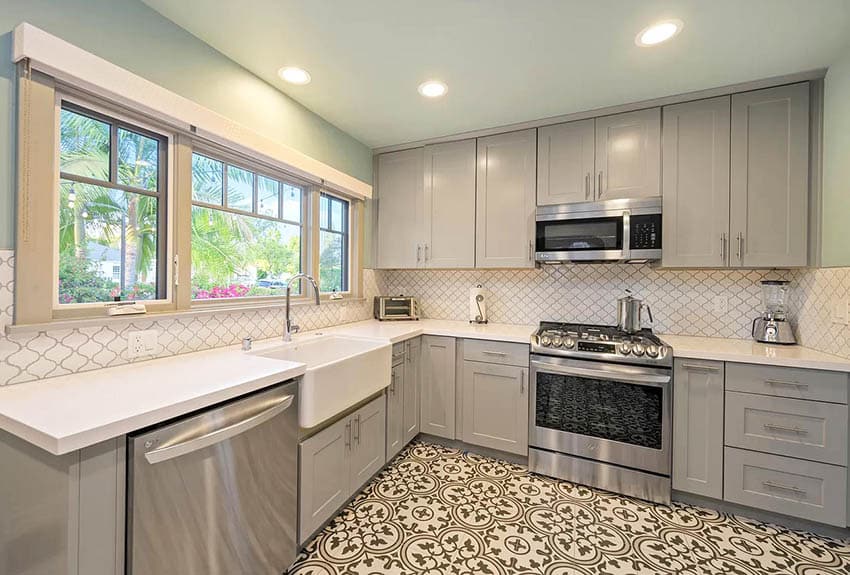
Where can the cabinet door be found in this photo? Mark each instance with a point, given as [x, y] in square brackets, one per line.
[696, 184]
[412, 389]
[770, 177]
[628, 155]
[395, 412]
[698, 427]
[449, 214]
[323, 476]
[400, 199]
[495, 406]
[437, 411]
[565, 163]
[505, 200]
[368, 442]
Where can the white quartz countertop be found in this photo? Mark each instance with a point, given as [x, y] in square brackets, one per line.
[67, 413]
[396, 331]
[748, 351]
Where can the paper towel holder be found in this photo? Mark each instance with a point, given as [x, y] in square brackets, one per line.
[481, 316]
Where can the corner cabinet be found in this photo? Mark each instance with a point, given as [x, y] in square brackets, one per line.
[403, 396]
[412, 389]
[400, 206]
[698, 388]
[506, 200]
[437, 406]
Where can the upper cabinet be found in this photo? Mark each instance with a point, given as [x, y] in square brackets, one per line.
[696, 184]
[770, 177]
[449, 238]
[505, 200]
[736, 173]
[628, 155]
[400, 199]
[607, 158]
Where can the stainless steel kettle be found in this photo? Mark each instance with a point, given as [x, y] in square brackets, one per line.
[629, 311]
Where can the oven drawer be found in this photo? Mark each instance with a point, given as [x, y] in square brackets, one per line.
[787, 382]
[501, 352]
[805, 429]
[814, 491]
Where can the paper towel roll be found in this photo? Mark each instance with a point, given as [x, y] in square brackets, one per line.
[477, 305]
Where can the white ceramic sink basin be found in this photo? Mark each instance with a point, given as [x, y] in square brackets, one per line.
[341, 371]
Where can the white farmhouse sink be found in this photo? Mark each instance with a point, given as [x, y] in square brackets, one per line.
[341, 371]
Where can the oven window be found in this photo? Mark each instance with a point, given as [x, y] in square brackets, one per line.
[612, 410]
[580, 235]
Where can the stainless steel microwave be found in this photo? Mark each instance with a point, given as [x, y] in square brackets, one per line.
[610, 231]
[395, 308]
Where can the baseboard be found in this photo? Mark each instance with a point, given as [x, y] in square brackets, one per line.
[477, 449]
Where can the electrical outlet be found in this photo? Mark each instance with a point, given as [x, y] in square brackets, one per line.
[840, 311]
[721, 305]
[141, 343]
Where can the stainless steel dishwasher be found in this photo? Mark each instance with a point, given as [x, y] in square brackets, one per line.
[216, 493]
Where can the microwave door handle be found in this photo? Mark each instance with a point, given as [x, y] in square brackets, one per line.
[627, 226]
[625, 377]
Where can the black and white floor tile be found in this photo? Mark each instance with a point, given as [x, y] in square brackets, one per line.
[437, 511]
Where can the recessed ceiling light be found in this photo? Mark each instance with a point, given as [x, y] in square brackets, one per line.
[658, 32]
[433, 89]
[294, 75]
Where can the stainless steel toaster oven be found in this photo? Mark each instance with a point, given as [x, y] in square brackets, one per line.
[396, 308]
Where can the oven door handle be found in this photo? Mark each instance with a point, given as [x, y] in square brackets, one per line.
[625, 377]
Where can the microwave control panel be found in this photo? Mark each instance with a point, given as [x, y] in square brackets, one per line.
[645, 232]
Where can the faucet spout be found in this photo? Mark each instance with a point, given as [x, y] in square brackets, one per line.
[289, 328]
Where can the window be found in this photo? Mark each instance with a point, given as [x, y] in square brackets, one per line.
[333, 243]
[111, 209]
[247, 230]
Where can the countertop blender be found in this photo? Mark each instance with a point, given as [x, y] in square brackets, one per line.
[773, 325]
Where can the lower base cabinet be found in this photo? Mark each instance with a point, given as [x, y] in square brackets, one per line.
[437, 405]
[337, 461]
[495, 406]
[403, 397]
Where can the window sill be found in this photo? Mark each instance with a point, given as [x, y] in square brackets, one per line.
[202, 310]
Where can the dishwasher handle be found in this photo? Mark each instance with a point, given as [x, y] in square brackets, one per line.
[176, 450]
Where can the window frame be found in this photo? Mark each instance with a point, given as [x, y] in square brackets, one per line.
[347, 237]
[117, 119]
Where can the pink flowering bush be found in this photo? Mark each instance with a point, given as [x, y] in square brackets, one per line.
[217, 292]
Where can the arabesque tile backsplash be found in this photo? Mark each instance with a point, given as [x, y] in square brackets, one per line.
[683, 302]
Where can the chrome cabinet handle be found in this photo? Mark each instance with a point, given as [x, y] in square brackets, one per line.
[348, 436]
[740, 251]
[777, 383]
[587, 186]
[522, 382]
[700, 367]
[723, 247]
[775, 427]
[426, 252]
[418, 253]
[783, 487]
[530, 250]
[392, 384]
[357, 430]
[599, 190]
[499, 353]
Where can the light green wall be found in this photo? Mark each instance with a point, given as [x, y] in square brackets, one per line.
[836, 165]
[131, 35]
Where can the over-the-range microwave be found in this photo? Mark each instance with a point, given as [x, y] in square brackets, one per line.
[627, 230]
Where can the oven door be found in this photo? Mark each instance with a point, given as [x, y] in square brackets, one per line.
[619, 414]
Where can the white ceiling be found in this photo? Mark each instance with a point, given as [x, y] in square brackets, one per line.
[505, 61]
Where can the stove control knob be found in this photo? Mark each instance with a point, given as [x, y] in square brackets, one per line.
[545, 341]
[569, 343]
[652, 351]
[625, 348]
[638, 349]
[557, 341]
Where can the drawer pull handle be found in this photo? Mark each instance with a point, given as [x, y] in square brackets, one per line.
[783, 487]
[498, 353]
[700, 366]
[777, 383]
[775, 427]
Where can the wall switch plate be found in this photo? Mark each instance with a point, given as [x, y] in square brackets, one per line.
[721, 305]
[141, 343]
[840, 310]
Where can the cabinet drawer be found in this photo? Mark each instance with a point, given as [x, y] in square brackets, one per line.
[814, 491]
[495, 352]
[787, 382]
[805, 429]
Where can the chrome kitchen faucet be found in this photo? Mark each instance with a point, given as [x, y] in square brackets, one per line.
[289, 328]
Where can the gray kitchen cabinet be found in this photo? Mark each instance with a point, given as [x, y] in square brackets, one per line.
[449, 205]
[769, 177]
[437, 406]
[565, 163]
[506, 200]
[695, 180]
[336, 462]
[495, 406]
[400, 208]
[395, 411]
[412, 389]
[698, 427]
[628, 155]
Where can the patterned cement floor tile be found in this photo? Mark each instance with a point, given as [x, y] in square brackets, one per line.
[437, 511]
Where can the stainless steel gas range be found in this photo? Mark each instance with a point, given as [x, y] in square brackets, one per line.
[601, 408]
